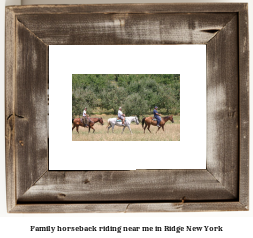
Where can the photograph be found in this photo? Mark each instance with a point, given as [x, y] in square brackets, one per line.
[126, 107]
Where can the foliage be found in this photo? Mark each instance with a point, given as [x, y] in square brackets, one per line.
[135, 105]
[113, 98]
[136, 93]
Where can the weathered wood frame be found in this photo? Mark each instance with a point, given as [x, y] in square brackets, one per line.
[222, 186]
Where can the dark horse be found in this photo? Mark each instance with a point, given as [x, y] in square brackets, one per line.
[149, 121]
[78, 122]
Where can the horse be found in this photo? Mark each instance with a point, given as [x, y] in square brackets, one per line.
[149, 121]
[113, 122]
[78, 122]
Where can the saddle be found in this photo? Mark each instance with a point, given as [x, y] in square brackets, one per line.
[119, 120]
[154, 119]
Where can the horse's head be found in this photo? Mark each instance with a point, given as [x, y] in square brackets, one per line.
[101, 121]
[136, 120]
[171, 119]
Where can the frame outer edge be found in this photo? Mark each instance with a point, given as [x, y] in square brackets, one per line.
[154, 8]
[10, 74]
[128, 207]
[244, 106]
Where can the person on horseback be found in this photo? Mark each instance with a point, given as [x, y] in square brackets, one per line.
[85, 118]
[121, 115]
[157, 116]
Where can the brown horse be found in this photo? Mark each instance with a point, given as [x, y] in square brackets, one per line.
[148, 121]
[78, 122]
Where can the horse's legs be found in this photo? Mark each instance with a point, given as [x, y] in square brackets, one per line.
[109, 126]
[89, 129]
[123, 130]
[163, 127]
[112, 128]
[158, 129]
[77, 128]
[148, 128]
[73, 127]
[145, 127]
[129, 129]
[93, 129]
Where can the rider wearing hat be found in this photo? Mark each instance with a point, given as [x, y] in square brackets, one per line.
[121, 115]
[157, 116]
[85, 118]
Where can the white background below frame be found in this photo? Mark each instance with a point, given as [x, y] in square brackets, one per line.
[187, 60]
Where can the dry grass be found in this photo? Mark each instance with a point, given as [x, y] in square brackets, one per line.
[171, 133]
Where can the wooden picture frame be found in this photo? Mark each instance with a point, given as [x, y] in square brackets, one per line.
[222, 186]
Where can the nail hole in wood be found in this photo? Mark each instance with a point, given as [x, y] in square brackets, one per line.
[61, 195]
[183, 199]
[86, 181]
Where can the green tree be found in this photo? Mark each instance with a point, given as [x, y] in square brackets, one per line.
[77, 106]
[109, 91]
[113, 98]
[135, 105]
[82, 98]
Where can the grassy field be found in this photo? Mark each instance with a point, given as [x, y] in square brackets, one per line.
[171, 133]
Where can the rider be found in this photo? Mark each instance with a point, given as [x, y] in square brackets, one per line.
[85, 118]
[157, 116]
[121, 115]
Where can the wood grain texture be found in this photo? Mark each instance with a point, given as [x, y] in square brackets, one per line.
[244, 106]
[140, 185]
[30, 108]
[9, 109]
[129, 207]
[186, 207]
[133, 29]
[222, 107]
[223, 186]
[129, 8]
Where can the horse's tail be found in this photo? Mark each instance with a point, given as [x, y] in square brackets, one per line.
[72, 120]
[143, 121]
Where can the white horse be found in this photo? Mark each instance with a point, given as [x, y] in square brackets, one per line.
[113, 122]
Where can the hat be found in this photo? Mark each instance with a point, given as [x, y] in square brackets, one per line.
[156, 107]
[120, 108]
